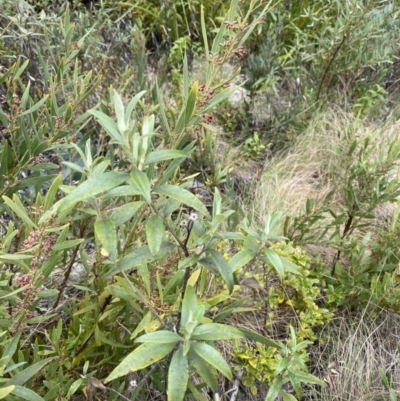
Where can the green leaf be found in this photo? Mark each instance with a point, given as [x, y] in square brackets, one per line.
[22, 377]
[290, 266]
[223, 268]
[90, 188]
[26, 394]
[5, 391]
[52, 192]
[178, 375]
[241, 259]
[106, 233]
[108, 124]
[140, 256]
[62, 246]
[164, 154]
[36, 106]
[182, 195]
[274, 390]
[143, 356]
[308, 378]
[189, 305]
[212, 357]
[119, 112]
[154, 233]
[287, 397]
[125, 212]
[161, 337]
[275, 261]
[11, 348]
[251, 335]
[220, 97]
[142, 183]
[191, 103]
[283, 364]
[17, 207]
[206, 371]
[215, 332]
[132, 104]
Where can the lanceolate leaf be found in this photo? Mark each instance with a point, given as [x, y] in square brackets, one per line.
[290, 266]
[287, 397]
[125, 212]
[182, 195]
[26, 394]
[212, 357]
[241, 259]
[161, 336]
[140, 256]
[92, 187]
[154, 233]
[178, 375]
[215, 331]
[191, 103]
[251, 335]
[143, 356]
[164, 154]
[16, 206]
[308, 378]
[119, 112]
[108, 124]
[189, 305]
[275, 261]
[206, 371]
[274, 390]
[5, 391]
[21, 378]
[142, 183]
[106, 234]
[223, 268]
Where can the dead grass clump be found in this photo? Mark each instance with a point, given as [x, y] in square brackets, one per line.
[351, 351]
[311, 167]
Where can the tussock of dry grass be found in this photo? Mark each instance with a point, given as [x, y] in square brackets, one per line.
[350, 358]
[309, 168]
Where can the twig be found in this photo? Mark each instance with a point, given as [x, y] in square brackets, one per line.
[236, 384]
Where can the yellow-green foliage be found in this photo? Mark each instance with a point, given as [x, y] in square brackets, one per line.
[302, 296]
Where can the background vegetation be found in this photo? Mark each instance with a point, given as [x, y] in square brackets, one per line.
[199, 200]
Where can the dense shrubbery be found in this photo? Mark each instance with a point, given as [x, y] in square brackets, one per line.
[121, 223]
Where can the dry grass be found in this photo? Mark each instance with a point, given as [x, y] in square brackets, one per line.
[309, 168]
[354, 351]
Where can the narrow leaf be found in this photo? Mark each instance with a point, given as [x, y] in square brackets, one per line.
[161, 336]
[154, 233]
[22, 377]
[143, 356]
[241, 259]
[26, 394]
[5, 391]
[223, 268]
[215, 332]
[182, 195]
[92, 187]
[164, 154]
[125, 212]
[189, 305]
[178, 375]
[274, 390]
[106, 234]
[119, 112]
[142, 183]
[212, 357]
[206, 372]
[251, 335]
[275, 261]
